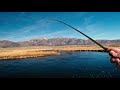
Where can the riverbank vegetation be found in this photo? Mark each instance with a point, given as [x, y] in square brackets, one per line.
[42, 51]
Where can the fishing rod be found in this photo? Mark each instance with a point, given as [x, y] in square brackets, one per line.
[105, 49]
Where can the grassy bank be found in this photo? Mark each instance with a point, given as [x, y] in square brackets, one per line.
[41, 51]
[21, 54]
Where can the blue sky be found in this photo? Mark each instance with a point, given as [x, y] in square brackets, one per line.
[22, 26]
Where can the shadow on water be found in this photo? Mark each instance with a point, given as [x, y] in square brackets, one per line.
[67, 65]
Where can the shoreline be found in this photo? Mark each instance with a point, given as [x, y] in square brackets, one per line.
[42, 51]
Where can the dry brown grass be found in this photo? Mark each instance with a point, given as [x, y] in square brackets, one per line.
[74, 48]
[38, 51]
[19, 54]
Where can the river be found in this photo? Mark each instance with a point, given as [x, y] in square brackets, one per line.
[67, 65]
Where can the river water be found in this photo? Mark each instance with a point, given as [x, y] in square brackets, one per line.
[67, 65]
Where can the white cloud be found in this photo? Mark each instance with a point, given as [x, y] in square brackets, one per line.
[88, 20]
[26, 29]
[99, 35]
[90, 27]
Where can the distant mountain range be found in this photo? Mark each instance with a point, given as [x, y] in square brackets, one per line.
[55, 42]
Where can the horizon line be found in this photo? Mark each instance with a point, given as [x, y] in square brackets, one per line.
[53, 38]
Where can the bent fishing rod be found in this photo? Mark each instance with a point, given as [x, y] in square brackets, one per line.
[105, 49]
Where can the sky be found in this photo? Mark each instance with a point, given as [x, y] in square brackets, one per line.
[23, 26]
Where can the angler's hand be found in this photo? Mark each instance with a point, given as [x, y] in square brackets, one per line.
[115, 55]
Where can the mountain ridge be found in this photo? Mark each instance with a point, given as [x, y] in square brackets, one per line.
[55, 42]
